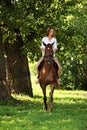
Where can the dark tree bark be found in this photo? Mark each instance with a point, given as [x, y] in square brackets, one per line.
[18, 74]
[4, 90]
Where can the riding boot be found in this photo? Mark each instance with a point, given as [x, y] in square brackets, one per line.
[58, 81]
[37, 80]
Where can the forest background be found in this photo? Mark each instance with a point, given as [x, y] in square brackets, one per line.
[23, 23]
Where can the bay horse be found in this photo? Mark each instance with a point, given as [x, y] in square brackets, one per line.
[48, 76]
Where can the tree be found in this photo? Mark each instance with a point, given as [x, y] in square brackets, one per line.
[32, 18]
[4, 89]
[16, 64]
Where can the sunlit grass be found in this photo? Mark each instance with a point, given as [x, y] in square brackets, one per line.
[25, 113]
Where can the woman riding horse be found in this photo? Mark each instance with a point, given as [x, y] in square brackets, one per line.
[48, 74]
[49, 39]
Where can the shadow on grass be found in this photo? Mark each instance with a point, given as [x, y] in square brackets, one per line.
[16, 108]
[37, 101]
[16, 102]
[29, 114]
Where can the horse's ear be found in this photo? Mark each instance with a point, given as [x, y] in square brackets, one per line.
[44, 44]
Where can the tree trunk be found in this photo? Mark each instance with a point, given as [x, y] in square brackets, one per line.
[18, 74]
[4, 90]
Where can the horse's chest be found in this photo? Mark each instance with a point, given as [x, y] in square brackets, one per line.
[48, 73]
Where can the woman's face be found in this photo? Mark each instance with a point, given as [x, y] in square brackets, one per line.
[51, 32]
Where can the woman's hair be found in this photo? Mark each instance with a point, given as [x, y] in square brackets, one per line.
[48, 30]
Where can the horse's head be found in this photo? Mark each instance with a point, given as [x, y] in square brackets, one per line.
[48, 50]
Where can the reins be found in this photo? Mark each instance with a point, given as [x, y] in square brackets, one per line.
[48, 59]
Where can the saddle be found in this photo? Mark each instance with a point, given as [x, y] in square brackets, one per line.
[54, 63]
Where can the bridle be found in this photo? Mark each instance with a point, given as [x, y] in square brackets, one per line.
[48, 57]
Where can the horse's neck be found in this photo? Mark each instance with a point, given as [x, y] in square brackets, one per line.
[48, 59]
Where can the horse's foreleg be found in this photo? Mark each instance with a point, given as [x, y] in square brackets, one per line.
[51, 97]
[44, 99]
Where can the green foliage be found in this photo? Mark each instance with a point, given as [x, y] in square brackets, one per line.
[24, 113]
[68, 17]
[76, 45]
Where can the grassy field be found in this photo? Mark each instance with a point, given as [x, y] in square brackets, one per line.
[25, 113]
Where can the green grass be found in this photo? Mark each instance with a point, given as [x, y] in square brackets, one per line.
[25, 113]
